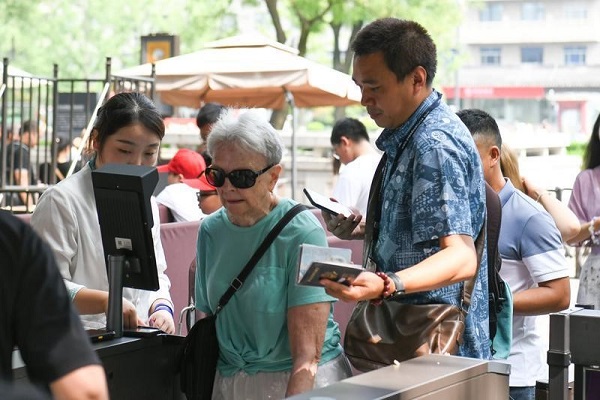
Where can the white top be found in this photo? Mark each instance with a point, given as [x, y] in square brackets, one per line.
[531, 249]
[67, 220]
[181, 199]
[354, 182]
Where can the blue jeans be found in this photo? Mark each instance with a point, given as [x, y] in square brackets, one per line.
[522, 393]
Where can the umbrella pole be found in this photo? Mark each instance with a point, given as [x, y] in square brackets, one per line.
[290, 99]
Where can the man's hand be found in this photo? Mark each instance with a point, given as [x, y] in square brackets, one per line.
[347, 228]
[366, 286]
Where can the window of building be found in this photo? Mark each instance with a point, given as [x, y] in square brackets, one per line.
[532, 11]
[575, 10]
[491, 12]
[575, 55]
[490, 55]
[532, 55]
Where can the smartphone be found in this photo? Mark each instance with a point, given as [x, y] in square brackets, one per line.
[142, 331]
[326, 204]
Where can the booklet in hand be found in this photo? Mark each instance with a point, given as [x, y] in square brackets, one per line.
[335, 271]
[317, 262]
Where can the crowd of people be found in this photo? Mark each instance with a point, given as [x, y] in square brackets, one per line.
[277, 338]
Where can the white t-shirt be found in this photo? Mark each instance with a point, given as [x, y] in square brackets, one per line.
[66, 218]
[531, 249]
[181, 199]
[354, 182]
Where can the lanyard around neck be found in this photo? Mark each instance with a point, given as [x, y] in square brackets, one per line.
[374, 207]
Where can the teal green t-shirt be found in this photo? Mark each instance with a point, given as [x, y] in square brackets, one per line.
[252, 328]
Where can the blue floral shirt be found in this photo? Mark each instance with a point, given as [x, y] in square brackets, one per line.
[435, 188]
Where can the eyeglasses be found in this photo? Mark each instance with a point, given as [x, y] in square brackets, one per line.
[240, 178]
[200, 194]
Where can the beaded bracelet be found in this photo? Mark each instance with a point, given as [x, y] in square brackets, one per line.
[386, 286]
[164, 307]
[595, 238]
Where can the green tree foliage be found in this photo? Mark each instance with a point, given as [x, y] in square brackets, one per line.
[346, 17]
[78, 35]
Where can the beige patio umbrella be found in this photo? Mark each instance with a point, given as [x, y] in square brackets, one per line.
[249, 71]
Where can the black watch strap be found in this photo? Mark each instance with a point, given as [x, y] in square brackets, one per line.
[397, 283]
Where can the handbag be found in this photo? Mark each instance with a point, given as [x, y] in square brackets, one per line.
[379, 335]
[200, 352]
[393, 331]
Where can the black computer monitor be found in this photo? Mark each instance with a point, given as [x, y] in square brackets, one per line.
[122, 195]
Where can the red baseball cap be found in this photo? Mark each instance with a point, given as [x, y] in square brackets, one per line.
[200, 184]
[186, 162]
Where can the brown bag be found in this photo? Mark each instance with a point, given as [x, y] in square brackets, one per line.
[377, 335]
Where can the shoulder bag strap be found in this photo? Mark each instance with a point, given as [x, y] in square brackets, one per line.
[470, 284]
[373, 210]
[237, 283]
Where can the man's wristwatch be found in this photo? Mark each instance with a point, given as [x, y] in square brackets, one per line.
[397, 283]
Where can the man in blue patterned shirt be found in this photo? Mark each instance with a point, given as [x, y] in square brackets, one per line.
[432, 201]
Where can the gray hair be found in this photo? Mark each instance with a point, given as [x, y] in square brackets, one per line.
[248, 129]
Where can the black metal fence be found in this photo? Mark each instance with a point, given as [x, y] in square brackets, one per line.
[62, 112]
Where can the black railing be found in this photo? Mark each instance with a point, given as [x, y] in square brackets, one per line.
[64, 110]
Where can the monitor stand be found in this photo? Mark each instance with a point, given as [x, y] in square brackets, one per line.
[114, 314]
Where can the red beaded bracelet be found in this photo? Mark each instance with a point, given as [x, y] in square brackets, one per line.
[386, 287]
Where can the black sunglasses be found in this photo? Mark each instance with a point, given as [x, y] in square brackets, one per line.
[200, 194]
[240, 178]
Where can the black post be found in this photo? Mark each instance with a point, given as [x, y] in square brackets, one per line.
[559, 356]
[114, 315]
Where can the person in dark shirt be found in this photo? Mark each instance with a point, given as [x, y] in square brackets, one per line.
[18, 169]
[63, 162]
[206, 118]
[37, 316]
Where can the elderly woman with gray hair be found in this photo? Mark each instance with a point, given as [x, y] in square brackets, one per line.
[276, 338]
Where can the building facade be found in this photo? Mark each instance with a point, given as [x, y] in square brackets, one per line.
[535, 62]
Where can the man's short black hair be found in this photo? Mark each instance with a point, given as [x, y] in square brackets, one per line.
[405, 45]
[351, 128]
[480, 123]
[30, 125]
[209, 114]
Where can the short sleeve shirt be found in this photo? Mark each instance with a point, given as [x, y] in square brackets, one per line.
[35, 310]
[585, 200]
[434, 188]
[252, 328]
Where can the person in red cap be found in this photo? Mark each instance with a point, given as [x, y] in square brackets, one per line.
[179, 196]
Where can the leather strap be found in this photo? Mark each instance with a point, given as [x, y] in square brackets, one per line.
[237, 283]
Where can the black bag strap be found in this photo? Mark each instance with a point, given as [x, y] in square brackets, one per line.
[494, 217]
[237, 283]
[470, 284]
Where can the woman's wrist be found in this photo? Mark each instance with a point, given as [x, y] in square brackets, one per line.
[164, 307]
[594, 231]
[539, 196]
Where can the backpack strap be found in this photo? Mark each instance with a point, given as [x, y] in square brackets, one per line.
[494, 217]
